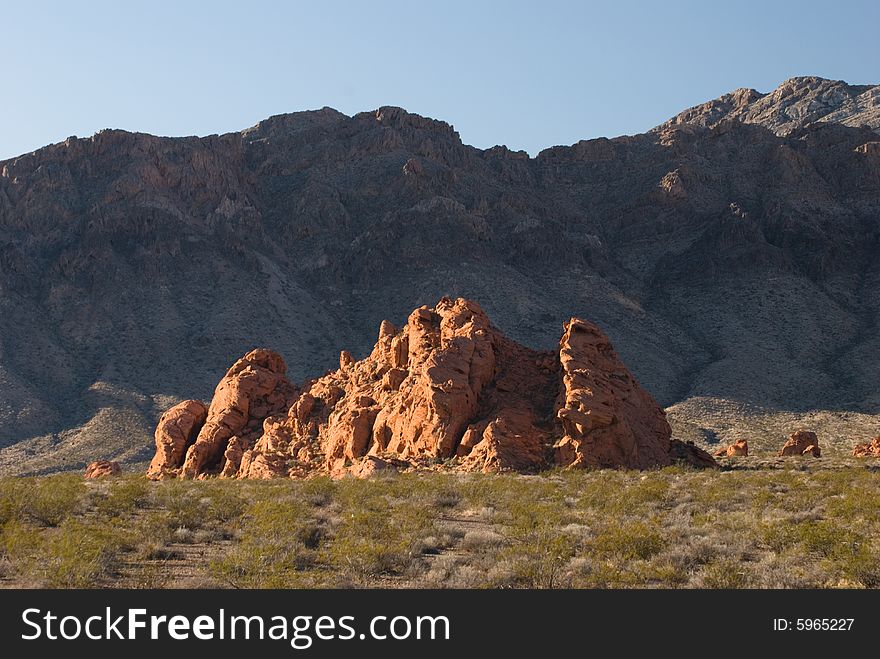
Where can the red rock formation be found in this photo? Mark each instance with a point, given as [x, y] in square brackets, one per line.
[176, 432]
[102, 469]
[448, 386]
[802, 442]
[447, 375]
[690, 454]
[608, 419]
[739, 448]
[252, 390]
[868, 449]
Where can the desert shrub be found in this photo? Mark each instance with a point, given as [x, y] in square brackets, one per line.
[722, 492]
[46, 501]
[623, 493]
[862, 566]
[478, 539]
[659, 573]
[630, 539]
[318, 492]
[447, 498]
[860, 502]
[197, 505]
[500, 490]
[123, 497]
[779, 536]
[76, 554]
[10, 499]
[830, 540]
[181, 501]
[538, 561]
[279, 539]
[725, 573]
[690, 555]
[651, 490]
[541, 541]
[375, 540]
[153, 526]
[18, 541]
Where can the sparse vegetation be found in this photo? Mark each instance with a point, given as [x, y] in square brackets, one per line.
[674, 527]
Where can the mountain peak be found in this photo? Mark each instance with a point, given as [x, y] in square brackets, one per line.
[794, 104]
[293, 122]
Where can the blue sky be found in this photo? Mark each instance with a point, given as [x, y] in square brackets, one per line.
[525, 74]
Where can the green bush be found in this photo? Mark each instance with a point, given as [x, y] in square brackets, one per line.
[197, 505]
[830, 540]
[76, 554]
[279, 539]
[631, 539]
[371, 540]
[46, 501]
[123, 497]
[725, 573]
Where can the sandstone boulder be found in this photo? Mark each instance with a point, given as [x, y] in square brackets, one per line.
[252, 390]
[607, 419]
[801, 442]
[176, 432]
[868, 449]
[102, 469]
[739, 448]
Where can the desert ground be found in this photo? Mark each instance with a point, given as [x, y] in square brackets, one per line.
[756, 523]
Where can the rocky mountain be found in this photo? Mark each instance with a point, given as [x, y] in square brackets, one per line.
[733, 263]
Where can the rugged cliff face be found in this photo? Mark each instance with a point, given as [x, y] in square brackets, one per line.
[448, 387]
[732, 264]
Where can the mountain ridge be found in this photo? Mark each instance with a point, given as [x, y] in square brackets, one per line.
[736, 104]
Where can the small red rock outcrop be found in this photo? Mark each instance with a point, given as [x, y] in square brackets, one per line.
[739, 448]
[102, 469]
[868, 449]
[802, 442]
[446, 388]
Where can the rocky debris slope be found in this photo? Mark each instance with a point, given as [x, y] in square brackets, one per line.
[739, 448]
[446, 387]
[796, 103]
[801, 442]
[868, 449]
